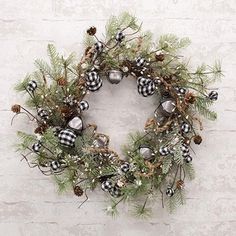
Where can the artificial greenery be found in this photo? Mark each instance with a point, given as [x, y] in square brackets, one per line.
[83, 166]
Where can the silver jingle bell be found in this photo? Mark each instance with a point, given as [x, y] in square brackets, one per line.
[168, 106]
[76, 123]
[146, 152]
[115, 76]
[101, 141]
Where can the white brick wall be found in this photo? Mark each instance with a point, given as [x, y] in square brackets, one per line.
[29, 204]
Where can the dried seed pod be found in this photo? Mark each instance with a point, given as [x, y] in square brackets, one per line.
[16, 108]
[92, 30]
[78, 191]
[197, 139]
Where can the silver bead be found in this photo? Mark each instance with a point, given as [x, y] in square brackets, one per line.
[76, 123]
[115, 76]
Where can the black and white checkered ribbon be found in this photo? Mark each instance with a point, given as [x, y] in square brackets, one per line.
[36, 146]
[119, 37]
[106, 185]
[213, 95]
[32, 85]
[55, 165]
[43, 114]
[99, 46]
[170, 192]
[67, 137]
[146, 86]
[185, 127]
[83, 105]
[164, 151]
[185, 150]
[115, 191]
[140, 62]
[93, 81]
[125, 167]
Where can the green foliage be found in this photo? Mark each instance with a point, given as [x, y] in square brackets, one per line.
[171, 43]
[89, 41]
[22, 85]
[178, 155]
[167, 162]
[64, 182]
[189, 171]
[27, 140]
[50, 138]
[202, 106]
[123, 21]
[142, 211]
[176, 200]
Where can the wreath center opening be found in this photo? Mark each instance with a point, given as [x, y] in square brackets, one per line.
[118, 110]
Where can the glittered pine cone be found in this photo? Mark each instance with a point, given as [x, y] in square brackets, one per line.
[160, 57]
[126, 66]
[66, 111]
[62, 81]
[78, 191]
[180, 184]
[88, 52]
[189, 98]
[40, 129]
[16, 108]
[92, 31]
[167, 78]
[197, 139]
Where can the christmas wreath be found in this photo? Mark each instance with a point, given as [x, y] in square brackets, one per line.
[157, 160]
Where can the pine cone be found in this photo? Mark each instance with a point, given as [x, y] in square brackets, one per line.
[62, 81]
[87, 51]
[41, 129]
[180, 184]
[16, 108]
[78, 191]
[127, 65]
[92, 31]
[197, 139]
[160, 57]
[167, 78]
[189, 98]
[66, 111]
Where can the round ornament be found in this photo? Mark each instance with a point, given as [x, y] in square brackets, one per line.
[170, 192]
[32, 85]
[146, 152]
[115, 76]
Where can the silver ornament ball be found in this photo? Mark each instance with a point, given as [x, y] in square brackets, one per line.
[146, 152]
[115, 76]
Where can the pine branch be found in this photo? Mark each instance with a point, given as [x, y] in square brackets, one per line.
[172, 43]
[201, 105]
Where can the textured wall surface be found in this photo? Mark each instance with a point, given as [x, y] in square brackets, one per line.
[29, 204]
